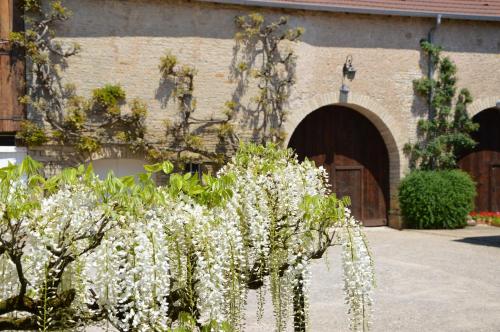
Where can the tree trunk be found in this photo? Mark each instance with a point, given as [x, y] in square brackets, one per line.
[299, 314]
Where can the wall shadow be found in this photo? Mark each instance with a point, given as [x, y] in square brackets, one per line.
[176, 19]
[490, 241]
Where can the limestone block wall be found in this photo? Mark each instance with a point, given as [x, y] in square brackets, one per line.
[122, 42]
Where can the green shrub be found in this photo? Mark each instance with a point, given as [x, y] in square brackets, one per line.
[109, 96]
[436, 199]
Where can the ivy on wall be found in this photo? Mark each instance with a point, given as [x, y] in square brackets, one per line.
[447, 129]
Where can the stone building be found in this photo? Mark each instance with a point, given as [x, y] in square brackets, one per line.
[355, 127]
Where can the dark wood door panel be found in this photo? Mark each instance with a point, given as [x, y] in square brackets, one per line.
[348, 181]
[483, 162]
[495, 188]
[351, 149]
[11, 68]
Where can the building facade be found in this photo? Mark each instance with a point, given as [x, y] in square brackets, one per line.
[356, 131]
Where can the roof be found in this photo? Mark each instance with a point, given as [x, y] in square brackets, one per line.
[488, 10]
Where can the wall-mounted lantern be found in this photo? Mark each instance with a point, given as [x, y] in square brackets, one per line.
[348, 71]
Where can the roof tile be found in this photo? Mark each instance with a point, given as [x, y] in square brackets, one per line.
[481, 9]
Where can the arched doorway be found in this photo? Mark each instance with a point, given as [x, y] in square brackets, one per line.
[483, 162]
[353, 152]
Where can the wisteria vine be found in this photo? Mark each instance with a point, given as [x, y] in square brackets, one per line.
[77, 251]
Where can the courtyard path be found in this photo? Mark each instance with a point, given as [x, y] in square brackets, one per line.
[426, 281]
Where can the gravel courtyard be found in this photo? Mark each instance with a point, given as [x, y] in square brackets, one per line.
[426, 281]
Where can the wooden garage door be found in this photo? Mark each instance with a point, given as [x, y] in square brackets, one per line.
[11, 68]
[351, 149]
[495, 187]
[483, 163]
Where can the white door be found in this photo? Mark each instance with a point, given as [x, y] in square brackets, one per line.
[12, 154]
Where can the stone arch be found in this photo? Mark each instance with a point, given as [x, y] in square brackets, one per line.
[119, 159]
[482, 104]
[483, 161]
[389, 128]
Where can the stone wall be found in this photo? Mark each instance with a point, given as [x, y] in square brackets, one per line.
[122, 42]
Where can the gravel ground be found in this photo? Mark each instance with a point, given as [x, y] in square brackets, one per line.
[426, 281]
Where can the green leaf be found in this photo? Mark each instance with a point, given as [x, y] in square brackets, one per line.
[36, 180]
[167, 167]
[153, 168]
[30, 166]
[129, 180]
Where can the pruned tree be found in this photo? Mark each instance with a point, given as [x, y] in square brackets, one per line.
[265, 53]
[446, 131]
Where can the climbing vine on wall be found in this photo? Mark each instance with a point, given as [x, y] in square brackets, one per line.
[86, 124]
[446, 130]
[59, 115]
[265, 53]
[186, 133]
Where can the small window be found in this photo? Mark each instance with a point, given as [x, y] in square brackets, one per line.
[7, 140]
[194, 169]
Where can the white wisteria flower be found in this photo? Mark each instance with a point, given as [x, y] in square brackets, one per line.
[78, 251]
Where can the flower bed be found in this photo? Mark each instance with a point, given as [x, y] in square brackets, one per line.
[486, 217]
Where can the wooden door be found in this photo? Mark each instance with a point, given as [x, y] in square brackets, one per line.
[351, 149]
[495, 188]
[483, 162]
[348, 181]
[11, 68]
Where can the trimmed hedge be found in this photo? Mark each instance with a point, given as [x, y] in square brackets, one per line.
[436, 199]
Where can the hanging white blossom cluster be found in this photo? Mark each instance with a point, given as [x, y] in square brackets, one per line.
[292, 218]
[76, 250]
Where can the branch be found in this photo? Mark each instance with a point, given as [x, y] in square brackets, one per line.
[14, 304]
[18, 324]
[63, 301]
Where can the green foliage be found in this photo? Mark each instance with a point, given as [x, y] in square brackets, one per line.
[436, 199]
[167, 64]
[30, 134]
[446, 131]
[229, 109]
[433, 50]
[165, 166]
[225, 129]
[194, 141]
[26, 40]
[109, 96]
[270, 155]
[26, 202]
[75, 119]
[139, 109]
[31, 5]
[34, 40]
[88, 144]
